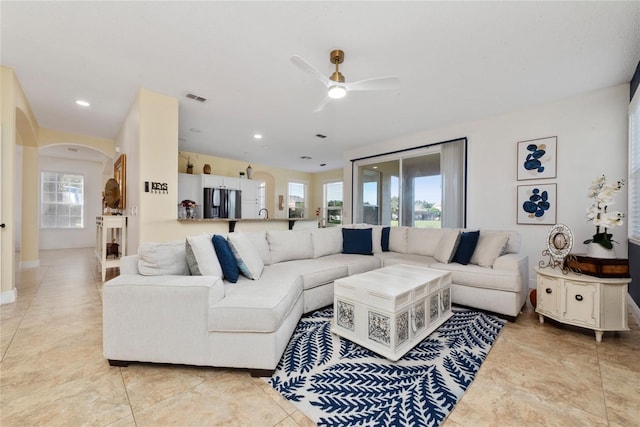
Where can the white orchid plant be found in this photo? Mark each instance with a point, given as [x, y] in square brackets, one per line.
[599, 213]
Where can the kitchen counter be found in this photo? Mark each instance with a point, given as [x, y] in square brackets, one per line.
[232, 222]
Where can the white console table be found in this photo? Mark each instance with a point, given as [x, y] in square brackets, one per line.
[582, 300]
[110, 229]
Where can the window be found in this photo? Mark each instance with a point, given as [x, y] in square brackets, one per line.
[262, 195]
[296, 200]
[333, 203]
[634, 169]
[421, 187]
[61, 200]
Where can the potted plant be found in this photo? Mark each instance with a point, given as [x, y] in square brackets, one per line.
[601, 244]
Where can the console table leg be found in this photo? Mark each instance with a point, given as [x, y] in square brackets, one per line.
[599, 336]
[540, 318]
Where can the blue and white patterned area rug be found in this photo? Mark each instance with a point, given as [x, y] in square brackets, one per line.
[338, 383]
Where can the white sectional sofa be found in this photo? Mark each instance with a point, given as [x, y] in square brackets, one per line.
[155, 311]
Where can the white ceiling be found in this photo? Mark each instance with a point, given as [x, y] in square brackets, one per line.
[457, 61]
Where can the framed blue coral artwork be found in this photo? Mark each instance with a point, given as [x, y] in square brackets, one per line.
[537, 158]
[537, 204]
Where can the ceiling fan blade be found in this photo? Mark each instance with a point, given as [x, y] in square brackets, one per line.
[308, 68]
[323, 104]
[377, 83]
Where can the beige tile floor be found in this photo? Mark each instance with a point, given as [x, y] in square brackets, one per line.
[53, 373]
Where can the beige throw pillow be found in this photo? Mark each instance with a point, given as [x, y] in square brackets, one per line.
[447, 246]
[489, 247]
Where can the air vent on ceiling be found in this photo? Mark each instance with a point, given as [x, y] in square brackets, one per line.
[196, 97]
[321, 136]
[305, 157]
[75, 150]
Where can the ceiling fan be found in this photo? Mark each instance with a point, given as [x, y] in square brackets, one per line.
[336, 85]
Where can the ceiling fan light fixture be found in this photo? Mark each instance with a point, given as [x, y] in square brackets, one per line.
[337, 92]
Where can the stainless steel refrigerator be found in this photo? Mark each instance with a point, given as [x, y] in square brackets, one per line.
[222, 203]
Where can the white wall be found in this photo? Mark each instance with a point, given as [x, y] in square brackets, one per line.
[93, 187]
[592, 133]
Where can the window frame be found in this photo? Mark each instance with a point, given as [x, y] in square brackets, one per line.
[304, 198]
[325, 204]
[633, 224]
[43, 203]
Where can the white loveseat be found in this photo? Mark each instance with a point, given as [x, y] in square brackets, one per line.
[155, 311]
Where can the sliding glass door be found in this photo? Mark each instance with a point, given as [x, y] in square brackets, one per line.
[422, 187]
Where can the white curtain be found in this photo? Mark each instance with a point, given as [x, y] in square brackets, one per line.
[452, 168]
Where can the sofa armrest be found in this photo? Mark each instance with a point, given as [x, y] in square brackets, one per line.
[129, 264]
[162, 319]
[515, 262]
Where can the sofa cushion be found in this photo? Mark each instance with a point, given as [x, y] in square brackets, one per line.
[447, 246]
[287, 245]
[357, 264]
[357, 241]
[326, 241]
[201, 256]
[247, 257]
[466, 246]
[228, 262]
[317, 272]
[392, 258]
[489, 247]
[257, 306]
[259, 241]
[164, 258]
[482, 277]
[424, 241]
[398, 239]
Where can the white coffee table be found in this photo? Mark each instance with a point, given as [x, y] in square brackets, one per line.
[391, 309]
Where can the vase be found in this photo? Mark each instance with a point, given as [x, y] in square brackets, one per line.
[190, 169]
[249, 172]
[206, 169]
[596, 250]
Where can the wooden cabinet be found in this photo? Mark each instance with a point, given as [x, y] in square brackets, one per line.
[111, 241]
[582, 300]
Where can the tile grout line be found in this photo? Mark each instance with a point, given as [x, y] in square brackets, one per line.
[126, 392]
[24, 314]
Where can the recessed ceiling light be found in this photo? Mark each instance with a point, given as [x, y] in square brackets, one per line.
[375, 167]
[257, 136]
[82, 103]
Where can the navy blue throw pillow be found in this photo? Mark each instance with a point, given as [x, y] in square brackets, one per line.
[468, 242]
[385, 239]
[225, 257]
[357, 241]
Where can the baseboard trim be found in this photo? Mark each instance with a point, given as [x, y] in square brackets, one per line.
[635, 310]
[8, 297]
[30, 264]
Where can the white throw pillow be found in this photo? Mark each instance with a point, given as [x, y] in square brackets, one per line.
[201, 256]
[157, 259]
[249, 260]
[398, 239]
[489, 247]
[424, 241]
[287, 245]
[326, 241]
[447, 246]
